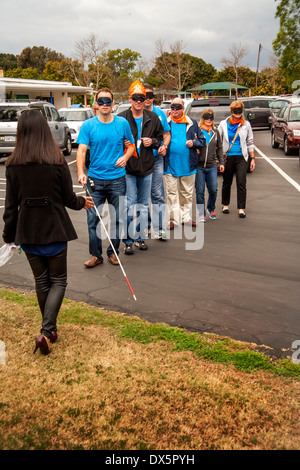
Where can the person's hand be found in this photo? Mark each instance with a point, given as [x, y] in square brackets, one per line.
[82, 179]
[88, 202]
[147, 141]
[252, 164]
[221, 168]
[121, 162]
[189, 143]
[162, 151]
[126, 143]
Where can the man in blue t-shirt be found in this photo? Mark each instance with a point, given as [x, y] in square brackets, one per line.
[104, 135]
[180, 164]
[157, 187]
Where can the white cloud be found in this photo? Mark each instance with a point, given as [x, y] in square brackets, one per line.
[207, 28]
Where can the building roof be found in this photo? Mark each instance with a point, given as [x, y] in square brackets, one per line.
[22, 84]
[218, 86]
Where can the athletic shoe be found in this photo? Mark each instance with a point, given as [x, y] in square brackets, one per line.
[128, 249]
[212, 214]
[141, 245]
[202, 218]
[160, 235]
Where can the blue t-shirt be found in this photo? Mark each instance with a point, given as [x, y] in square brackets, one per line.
[207, 135]
[138, 122]
[236, 148]
[164, 122]
[179, 157]
[106, 142]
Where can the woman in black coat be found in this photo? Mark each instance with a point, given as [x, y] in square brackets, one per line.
[38, 188]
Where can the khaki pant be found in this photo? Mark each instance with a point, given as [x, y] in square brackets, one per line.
[180, 192]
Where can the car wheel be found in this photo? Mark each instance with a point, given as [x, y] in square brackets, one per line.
[68, 148]
[274, 144]
[286, 147]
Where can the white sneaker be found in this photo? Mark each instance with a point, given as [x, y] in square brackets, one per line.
[160, 235]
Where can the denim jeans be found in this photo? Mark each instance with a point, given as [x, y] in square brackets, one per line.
[206, 177]
[157, 196]
[138, 189]
[112, 191]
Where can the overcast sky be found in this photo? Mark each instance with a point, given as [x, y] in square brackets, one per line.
[207, 28]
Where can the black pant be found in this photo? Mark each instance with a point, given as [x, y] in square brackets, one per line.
[50, 274]
[236, 164]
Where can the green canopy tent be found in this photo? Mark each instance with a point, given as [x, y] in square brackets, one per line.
[216, 86]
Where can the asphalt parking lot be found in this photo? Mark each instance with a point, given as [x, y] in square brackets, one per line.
[243, 283]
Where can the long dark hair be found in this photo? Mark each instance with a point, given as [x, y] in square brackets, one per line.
[35, 143]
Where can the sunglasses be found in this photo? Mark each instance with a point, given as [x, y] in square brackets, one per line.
[176, 107]
[237, 110]
[138, 97]
[208, 116]
[104, 101]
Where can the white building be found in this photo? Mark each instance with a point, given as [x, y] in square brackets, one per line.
[58, 93]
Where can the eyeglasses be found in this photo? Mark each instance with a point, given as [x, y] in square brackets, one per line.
[208, 117]
[138, 97]
[104, 100]
[176, 106]
[149, 95]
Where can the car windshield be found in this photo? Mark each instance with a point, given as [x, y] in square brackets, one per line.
[73, 115]
[277, 104]
[295, 114]
[10, 114]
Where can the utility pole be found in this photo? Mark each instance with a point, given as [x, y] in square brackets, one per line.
[259, 49]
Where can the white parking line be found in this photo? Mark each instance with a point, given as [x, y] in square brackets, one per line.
[280, 171]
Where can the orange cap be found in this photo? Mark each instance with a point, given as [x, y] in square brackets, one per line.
[137, 88]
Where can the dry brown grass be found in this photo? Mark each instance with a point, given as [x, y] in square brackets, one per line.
[99, 391]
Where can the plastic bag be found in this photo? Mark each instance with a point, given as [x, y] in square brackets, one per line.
[7, 251]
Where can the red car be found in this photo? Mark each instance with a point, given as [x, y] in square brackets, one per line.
[285, 128]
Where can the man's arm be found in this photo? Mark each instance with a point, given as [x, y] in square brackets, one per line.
[121, 162]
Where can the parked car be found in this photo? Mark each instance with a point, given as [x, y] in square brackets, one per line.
[75, 117]
[258, 109]
[122, 107]
[279, 103]
[285, 128]
[166, 105]
[220, 106]
[9, 114]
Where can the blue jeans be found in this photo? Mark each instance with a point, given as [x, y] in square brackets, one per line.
[209, 177]
[112, 191]
[157, 195]
[138, 189]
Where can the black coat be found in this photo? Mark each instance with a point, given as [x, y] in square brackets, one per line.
[151, 127]
[36, 197]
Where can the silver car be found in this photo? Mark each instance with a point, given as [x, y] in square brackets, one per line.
[9, 114]
[75, 117]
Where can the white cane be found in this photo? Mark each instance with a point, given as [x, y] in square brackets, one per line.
[103, 225]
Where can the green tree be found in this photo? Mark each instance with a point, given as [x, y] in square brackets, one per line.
[29, 73]
[287, 43]
[8, 61]
[121, 62]
[37, 57]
